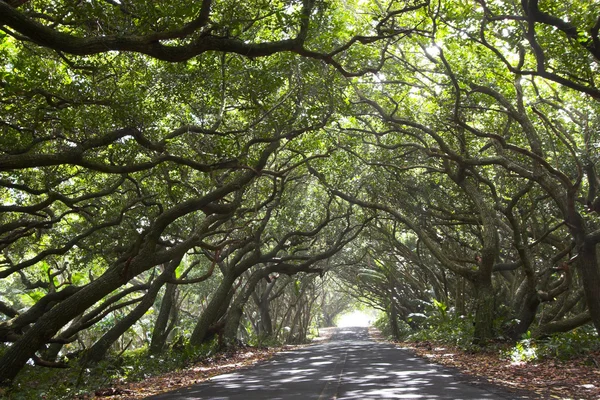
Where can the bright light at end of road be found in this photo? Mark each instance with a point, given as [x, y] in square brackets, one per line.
[355, 318]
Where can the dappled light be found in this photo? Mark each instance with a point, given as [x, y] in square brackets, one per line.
[184, 182]
[350, 366]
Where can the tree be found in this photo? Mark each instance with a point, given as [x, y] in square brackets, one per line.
[151, 145]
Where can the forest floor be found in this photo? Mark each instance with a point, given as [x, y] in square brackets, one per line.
[575, 379]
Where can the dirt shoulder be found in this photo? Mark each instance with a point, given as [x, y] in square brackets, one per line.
[549, 379]
[221, 363]
[578, 378]
[218, 364]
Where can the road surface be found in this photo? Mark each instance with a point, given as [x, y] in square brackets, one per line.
[349, 366]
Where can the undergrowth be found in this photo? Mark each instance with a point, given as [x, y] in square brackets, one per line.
[561, 346]
[80, 382]
[438, 324]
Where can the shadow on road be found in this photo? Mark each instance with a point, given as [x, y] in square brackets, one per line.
[349, 366]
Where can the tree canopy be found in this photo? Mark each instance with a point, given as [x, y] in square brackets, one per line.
[178, 165]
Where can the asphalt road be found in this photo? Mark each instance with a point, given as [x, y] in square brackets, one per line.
[349, 366]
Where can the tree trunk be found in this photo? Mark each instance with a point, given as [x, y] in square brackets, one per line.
[588, 266]
[15, 358]
[484, 311]
[526, 316]
[266, 323]
[54, 349]
[237, 308]
[587, 262]
[160, 330]
[307, 317]
[51, 322]
[220, 300]
[564, 325]
[98, 351]
[263, 302]
[293, 336]
[460, 295]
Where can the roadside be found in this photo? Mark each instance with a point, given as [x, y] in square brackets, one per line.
[348, 367]
[578, 378]
[550, 379]
[220, 363]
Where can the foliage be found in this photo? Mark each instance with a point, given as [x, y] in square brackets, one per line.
[437, 324]
[131, 366]
[383, 325]
[262, 341]
[577, 342]
[562, 346]
[525, 350]
[440, 158]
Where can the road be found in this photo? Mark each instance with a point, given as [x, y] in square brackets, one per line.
[349, 366]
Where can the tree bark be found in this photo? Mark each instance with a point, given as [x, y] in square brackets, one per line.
[160, 330]
[526, 316]
[588, 266]
[484, 311]
[52, 321]
[21, 351]
[266, 323]
[212, 312]
[564, 325]
[263, 303]
[98, 351]
[460, 295]
[237, 308]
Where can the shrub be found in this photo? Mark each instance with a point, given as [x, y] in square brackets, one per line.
[439, 323]
[578, 342]
[383, 325]
[133, 365]
[524, 350]
[562, 346]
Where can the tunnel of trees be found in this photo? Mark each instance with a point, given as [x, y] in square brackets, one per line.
[175, 171]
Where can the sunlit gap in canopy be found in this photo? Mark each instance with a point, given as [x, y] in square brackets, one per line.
[357, 318]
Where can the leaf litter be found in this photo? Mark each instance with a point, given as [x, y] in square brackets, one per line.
[575, 379]
[220, 363]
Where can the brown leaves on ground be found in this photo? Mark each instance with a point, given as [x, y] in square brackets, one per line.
[547, 379]
[221, 363]
[376, 335]
[324, 334]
